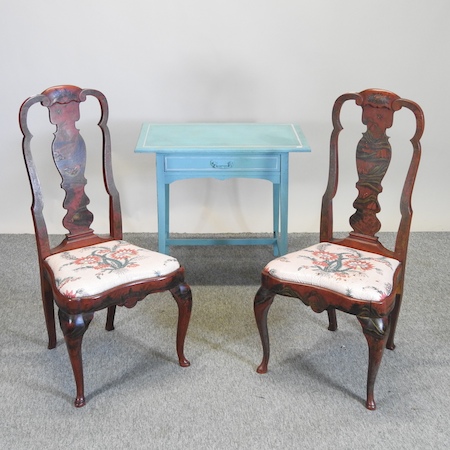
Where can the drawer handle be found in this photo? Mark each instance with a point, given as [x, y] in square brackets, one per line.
[215, 165]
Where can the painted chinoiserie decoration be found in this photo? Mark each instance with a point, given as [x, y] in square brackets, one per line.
[373, 155]
[356, 274]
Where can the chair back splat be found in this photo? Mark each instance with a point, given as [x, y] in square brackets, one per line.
[355, 274]
[87, 272]
[373, 156]
[69, 156]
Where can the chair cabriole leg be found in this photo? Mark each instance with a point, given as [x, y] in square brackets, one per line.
[332, 320]
[74, 327]
[263, 300]
[110, 318]
[183, 296]
[376, 331]
[394, 319]
[49, 311]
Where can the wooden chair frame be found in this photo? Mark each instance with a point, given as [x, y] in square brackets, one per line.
[69, 155]
[377, 318]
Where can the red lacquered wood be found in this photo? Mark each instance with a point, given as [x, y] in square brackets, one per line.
[373, 155]
[70, 155]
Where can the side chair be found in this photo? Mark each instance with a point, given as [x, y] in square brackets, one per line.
[356, 274]
[88, 272]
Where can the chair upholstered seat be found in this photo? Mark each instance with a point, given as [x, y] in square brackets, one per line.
[355, 273]
[97, 268]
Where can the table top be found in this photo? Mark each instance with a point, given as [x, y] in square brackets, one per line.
[236, 137]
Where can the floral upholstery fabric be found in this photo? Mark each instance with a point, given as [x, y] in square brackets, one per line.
[355, 273]
[97, 268]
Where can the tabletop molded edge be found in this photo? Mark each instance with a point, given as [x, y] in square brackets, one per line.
[297, 131]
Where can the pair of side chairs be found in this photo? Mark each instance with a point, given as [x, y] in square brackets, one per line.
[88, 272]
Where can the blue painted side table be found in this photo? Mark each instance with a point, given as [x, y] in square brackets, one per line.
[222, 151]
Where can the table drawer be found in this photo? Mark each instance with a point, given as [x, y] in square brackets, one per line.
[222, 163]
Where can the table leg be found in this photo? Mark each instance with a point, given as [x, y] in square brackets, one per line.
[162, 198]
[284, 180]
[276, 218]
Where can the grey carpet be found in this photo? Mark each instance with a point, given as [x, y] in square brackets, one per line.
[311, 398]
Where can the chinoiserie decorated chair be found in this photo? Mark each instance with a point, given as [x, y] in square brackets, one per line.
[87, 272]
[356, 274]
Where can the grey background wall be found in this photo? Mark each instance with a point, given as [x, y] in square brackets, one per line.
[225, 60]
